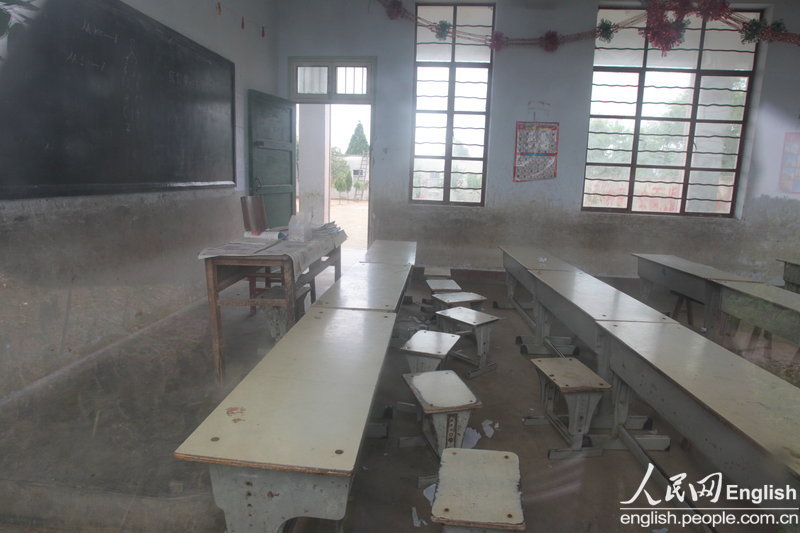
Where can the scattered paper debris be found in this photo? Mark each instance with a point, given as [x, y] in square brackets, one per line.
[418, 522]
[471, 438]
[489, 428]
[430, 493]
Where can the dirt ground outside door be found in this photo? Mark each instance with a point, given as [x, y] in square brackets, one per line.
[352, 216]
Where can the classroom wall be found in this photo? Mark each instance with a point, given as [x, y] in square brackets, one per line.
[79, 273]
[531, 84]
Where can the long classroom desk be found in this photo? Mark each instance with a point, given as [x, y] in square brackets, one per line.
[579, 301]
[724, 294]
[368, 286]
[744, 419]
[284, 443]
[391, 252]
[699, 390]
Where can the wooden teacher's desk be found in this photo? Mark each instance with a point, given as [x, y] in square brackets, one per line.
[297, 263]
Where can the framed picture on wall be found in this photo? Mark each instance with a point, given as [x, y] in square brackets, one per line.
[536, 151]
[790, 163]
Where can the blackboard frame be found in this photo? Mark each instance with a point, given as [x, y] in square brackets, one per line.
[180, 85]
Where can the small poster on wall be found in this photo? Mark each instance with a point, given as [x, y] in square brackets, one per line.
[536, 152]
[790, 163]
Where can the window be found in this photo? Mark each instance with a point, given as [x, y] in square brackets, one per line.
[331, 80]
[666, 130]
[451, 109]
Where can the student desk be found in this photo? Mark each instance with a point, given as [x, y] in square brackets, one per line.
[534, 258]
[581, 302]
[765, 306]
[284, 443]
[791, 274]
[298, 262]
[396, 252]
[744, 419]
[687, 278]
[369, 286]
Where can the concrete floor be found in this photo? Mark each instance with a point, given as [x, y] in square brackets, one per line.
[93, 452]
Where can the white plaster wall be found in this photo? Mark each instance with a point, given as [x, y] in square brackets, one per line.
[314, 161]
[78, 273]
[529, 83]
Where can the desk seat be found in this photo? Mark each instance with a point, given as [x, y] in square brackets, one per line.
[426, 349]
[478, 491]
[446, 404]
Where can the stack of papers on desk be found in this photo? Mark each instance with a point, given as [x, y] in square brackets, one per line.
[326, 229]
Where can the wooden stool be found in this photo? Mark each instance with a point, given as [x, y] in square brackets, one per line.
[479, 324]
[455, 299]
[426, 350]
[446, 404]
[582, 389]
[436, 273]
[478, 491]
[442, 285]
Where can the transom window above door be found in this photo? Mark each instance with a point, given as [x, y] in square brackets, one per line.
[332, 80]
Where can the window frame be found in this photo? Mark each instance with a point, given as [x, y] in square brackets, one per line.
[331, 96]
[452, 65]
[698, 72]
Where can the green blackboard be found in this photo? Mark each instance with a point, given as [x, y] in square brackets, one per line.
[96, 97]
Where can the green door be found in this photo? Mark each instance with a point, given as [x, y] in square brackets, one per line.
[271, 135]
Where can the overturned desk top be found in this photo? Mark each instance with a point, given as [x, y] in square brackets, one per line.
[373, 286]
[304, 407]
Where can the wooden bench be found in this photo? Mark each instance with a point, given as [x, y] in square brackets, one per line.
[465, 321]
[446, 404]
[284, 443]
[478, 491]
[426, 350]
[582, 390]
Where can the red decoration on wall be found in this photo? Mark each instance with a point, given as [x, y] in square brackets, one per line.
[664, 21]
[551, 41]
[713, 9]
[394, 9]
[498, 41]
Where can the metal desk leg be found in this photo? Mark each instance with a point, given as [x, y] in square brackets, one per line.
[259, 500]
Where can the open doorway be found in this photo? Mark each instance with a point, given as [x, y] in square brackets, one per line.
[333, 172]
[349, 183]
